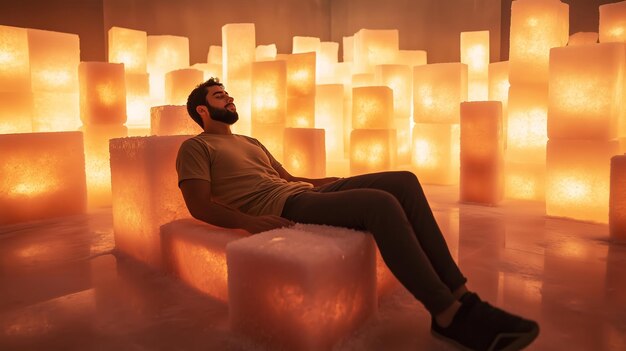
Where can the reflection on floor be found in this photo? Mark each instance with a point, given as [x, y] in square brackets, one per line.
[61, 288]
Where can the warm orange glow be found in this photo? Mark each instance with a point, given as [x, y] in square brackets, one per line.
[165, 53]
[400, 79]
[269, 88]
[56, 112]
[102, 93]
[475, 54]
[585, 91]
[583, 38]
[272, 136]
[172, 120]
[16, 111]
[536, 27]
[266, 52]
[179, 83]
[577, 178]
[238, 50]
[215, 55]
[372, 107]
[129, 47]
[527, 123]
[436, 153]
[612, 26]
[54, 57]
[301, 74]
[438, 89]
[301, 112]
[412, 58]
[329, 106]
[137, 100]
[525, 181]
[302, 45]
[327, 58]
[305, 152]
[617, 198]
[14, 59]
[372, 150]
[374, 47]
[208, 69]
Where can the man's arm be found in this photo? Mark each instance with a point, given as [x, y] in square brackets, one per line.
[315, 181]
[197, 195]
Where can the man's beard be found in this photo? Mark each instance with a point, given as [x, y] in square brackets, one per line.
[223, 115]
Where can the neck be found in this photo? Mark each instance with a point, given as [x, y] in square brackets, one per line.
[218, 128]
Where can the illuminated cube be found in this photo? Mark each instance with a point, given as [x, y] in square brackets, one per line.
[300, 111]
[475, 54]
[102, 93]
[301, 288]
[301, 74]
[56, 112]
[130, 47]
[375, 47]
[238, 50]
[327, 59]
[482, 152]
[526, 126]
[329, 106]
[386, 282]
[97, 166]
[348, 48]
[586, 91]
[403, 140]
[14, 60]
[165, 53]
[617, 198]
[400, 79]
[536, 27]
[16, 110]
[305, 152]
[215, 55]
[208, 69]
[195, 252]
[301, 45]
[54, 58]
[525, 181]
[42, 176]
[582, 38]
[241, 91]
[372, 108]
[412, 58]
[372, 150]
[269, 89]
[271, 136]
[265, 53]
[499, 83]
[578, 179]
[179, 83]
[438, 89]
[172, 120]
[137, 100]
[612, 26]
[363, 80]
[435, 155]
[145, 194]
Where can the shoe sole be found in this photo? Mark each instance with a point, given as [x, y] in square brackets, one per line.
[522, 340]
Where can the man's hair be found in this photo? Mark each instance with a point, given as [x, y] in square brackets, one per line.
[197, 97]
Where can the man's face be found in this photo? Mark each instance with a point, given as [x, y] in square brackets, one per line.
[221, 106]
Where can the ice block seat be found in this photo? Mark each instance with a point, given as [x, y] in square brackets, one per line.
[195, 252]
[301, 288]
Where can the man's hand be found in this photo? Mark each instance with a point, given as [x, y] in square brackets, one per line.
[259, 224]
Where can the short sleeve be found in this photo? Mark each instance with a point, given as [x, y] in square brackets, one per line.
[193, 161]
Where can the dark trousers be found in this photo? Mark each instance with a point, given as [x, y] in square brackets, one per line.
[393, 208]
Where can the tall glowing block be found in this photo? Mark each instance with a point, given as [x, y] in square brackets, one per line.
[271, 136]
[527, 123]
[363, 80]
[524, 181]
[438, 89]
[583, 38]
[327, 59]
[305, 300]
[265, 52]
[400, 79]
[137, 100]
[16, 109]
[329, 106]
[42, 176]
[612, 26]
[195, 252]
[208, 69]
[499, 83]
[475, 54]
[536, 27]
[130, 47]
[348, 48]
[269, 89]
[172, 120]
[482, 152]
[577, 178]
[305, 152]
[238, 50]
[375, 47]
[14, 60]
[301, 90]
[54, 58]
[372, 108]
[301, 45]
[586, 85]
[179, 83]
[102, 93]
[145, 194]
[617, 198]
[215, 55]
[435, 154]
[412, 58]
[55, 112]
[97, 166]
[372, 150]
[165, 53]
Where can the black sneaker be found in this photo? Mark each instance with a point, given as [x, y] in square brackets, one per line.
[479, 326]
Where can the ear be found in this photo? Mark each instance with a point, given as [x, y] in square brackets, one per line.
[202, 110]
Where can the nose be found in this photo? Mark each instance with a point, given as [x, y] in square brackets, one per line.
[231, 99]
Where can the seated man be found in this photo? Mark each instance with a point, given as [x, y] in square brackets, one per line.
[232, 181]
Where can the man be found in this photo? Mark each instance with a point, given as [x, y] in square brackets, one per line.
[232, 181]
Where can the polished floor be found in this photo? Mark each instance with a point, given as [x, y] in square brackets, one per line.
[61, 288]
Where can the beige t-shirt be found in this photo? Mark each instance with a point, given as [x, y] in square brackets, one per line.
[241, 171]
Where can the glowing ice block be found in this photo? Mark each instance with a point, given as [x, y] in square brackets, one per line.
[269, 92]
[526, 125]
[301, 74]
[582, 38]
[438, 89]
[172, 120]
[482, 152]
[329, 106]
[536, 27]
[435, 154]
[215, 55]
[165, 53]
[265, 52]
[102, 93]
[301, 45]
[54, 58]
[300, 111]
[137, 100]
[14, 60]
[617, 198]
[578, 178]
[209, 70]
[612, 26]
[524, 181]
[179, 83]
[301, 288]
[475, 54]
[412, 58]
[42, 176]
[16, 110]
[238, 50]
[130, 47]
[375, 47]
[372, 150]
[145, 193]
[348, 48]
[305, 152]
[400, 79]
[195, 252]
[585, 96]
[327, 60]
[56, 112]
[271, 136]
[372, 108]
[363, 80]
[499, 83]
